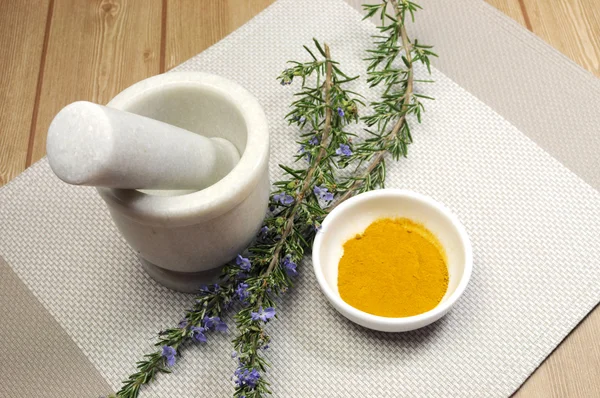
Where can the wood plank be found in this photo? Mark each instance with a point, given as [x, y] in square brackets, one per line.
[571, 26]
[96, 49]
[512, 8]
[193, 26]
[22, 27]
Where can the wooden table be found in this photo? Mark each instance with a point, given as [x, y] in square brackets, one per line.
[57, 51]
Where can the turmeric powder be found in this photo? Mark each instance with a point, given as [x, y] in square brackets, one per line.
[395, 268]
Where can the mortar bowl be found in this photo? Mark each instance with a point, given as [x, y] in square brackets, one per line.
[184, 237]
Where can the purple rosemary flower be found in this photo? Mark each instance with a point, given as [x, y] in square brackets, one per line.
[314, 140]
[289, 266]
[264, 231]
[242, 291]
[305, 152]
[234, 355]
[204, 289]
[263, 315]
[340, 112]
[323, 193]
[245, 377]
[283, 198]
[308, 157]
[208, 322]
[221, 326]
[286, 80]
[168, 353]
[302, 119]
[243, 262]
[343, 150]
[214, 323]
[287, 200]
[198, 334]
[182, 324]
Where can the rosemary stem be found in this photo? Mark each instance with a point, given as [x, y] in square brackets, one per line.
[289, 225]
[406, 98]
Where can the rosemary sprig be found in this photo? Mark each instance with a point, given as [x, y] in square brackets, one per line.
[326, 108]
[388, 127]
[202, 318]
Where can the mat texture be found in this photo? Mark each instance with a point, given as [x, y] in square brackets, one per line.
[535, 228]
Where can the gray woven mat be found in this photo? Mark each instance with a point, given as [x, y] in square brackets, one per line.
[533, 223]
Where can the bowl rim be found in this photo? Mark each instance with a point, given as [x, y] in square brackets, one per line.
[218, 198]
[381, 322]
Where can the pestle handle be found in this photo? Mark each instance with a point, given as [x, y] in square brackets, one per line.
[91, 144]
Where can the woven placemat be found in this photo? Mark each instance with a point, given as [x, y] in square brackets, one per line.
[533, 223]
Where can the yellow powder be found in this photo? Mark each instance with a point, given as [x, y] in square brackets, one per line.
[396, 268]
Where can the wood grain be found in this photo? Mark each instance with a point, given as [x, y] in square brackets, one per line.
[571, 26]
[193, 26]
[95, 49]
[512, 8]
[22, 32]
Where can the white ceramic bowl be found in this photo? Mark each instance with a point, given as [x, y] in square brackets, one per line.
[356, 214]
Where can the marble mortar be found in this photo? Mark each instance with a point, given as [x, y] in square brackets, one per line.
[184, 237]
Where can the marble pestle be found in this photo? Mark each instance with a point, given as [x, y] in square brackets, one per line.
[91, 144]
